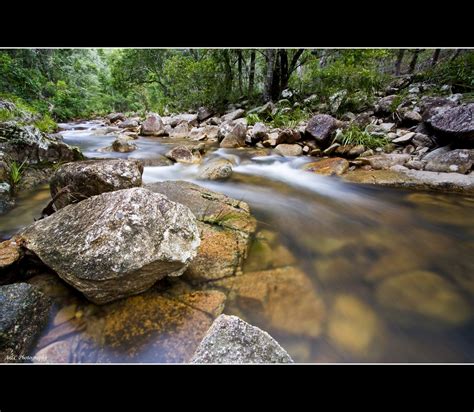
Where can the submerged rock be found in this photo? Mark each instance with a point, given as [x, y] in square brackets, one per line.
[80, 180]
[155, 326]
[425, 294]
[225, 226]
[116, 244]
[24, 312]
[282, 300]
[231, 340]
[354, 326]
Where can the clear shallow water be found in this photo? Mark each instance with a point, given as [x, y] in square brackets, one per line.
[338, 272]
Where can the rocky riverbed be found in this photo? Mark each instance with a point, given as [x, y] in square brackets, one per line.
[175, 220]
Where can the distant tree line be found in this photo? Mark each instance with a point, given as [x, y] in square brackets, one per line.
[71, 83]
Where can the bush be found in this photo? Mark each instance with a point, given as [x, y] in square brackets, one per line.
[458, 73]
[356, 136]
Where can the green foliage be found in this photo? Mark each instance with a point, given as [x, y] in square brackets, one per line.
[46, 124]
[458, 73]
[27, 114]
[356, 136]
[252, 118]
[355, 71]
[282, 118]
[16, 173]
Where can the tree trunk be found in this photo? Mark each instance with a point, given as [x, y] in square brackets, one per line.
[413, 61]
[228, 72]
[239, 68]
[455, 55]
[270, 58]
[284, 70]
[251, 73]
[275, 87]
[398, 63]
[435, 57]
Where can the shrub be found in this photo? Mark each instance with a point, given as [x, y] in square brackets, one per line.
[356, 136]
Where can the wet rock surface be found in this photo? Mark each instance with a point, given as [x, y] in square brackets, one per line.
[80, 180]
[116, 244]
[232, 340]
[24, 312]
[225, 226]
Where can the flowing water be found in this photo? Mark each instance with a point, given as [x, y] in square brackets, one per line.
[353, 273]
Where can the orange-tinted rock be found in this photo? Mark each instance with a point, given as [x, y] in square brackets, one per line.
[328, 167]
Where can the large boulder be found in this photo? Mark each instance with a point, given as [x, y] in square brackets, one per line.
[456, 122]
[153, 126]
[218, 169]
[231, 340]
[24, 312]
[27, 143]
[183, 154]
[432, 105]
[80, 180]
[225, 226]
[116, 244]
[321, 128]
[459, 161]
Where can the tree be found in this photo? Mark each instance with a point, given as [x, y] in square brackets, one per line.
[413, 61]
[435, 57]
[269, 76]
[251, 74]
[398, 63]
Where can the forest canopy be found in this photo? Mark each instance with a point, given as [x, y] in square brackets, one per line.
[64, 84]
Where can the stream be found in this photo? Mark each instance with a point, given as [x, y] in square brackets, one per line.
[393, 268]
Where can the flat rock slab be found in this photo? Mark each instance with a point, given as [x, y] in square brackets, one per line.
[399, 176]
[231, 340]
[116, 244]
